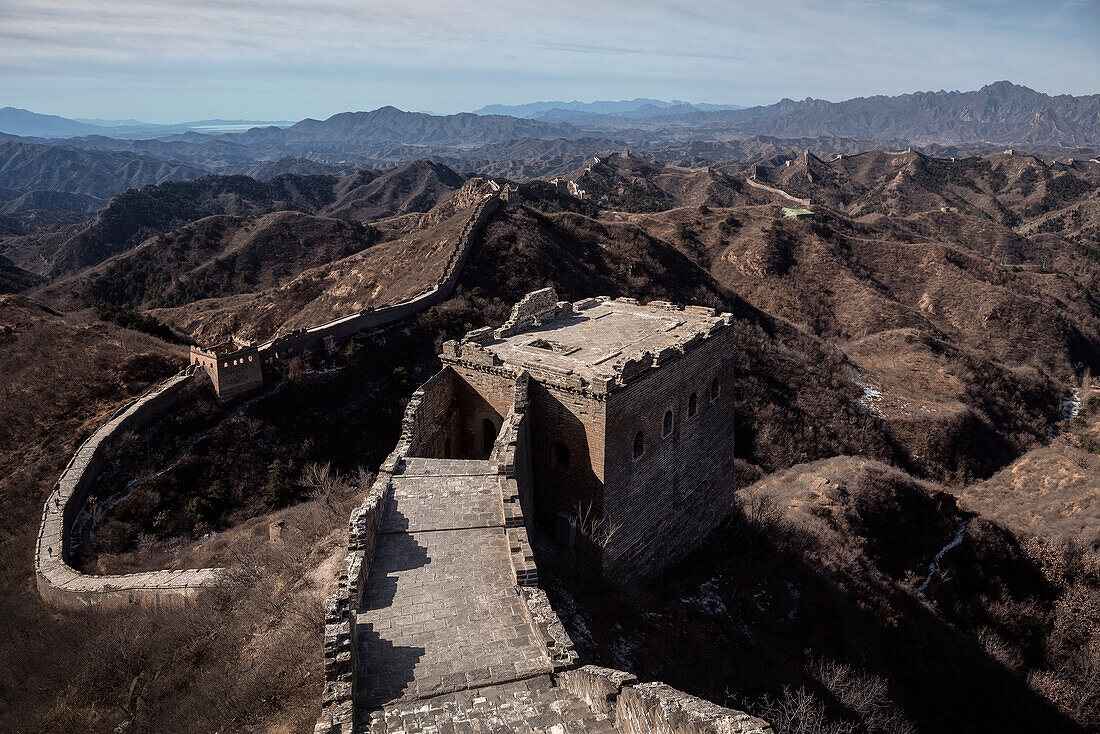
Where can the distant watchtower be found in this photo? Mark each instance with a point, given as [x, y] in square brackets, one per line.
[632, 411]
[233, 366]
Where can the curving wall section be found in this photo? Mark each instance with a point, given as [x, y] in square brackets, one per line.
[61, 584]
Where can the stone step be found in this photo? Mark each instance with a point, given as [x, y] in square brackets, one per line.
[445, 467]
[528, 706]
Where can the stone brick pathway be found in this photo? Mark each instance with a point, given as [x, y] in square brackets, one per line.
[440, 613]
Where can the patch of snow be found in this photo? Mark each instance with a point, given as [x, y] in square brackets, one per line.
[707, 599]
[1071, 404]
[936, 561]
[871, 402]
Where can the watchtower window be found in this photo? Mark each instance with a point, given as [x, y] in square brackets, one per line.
[666, 427]
[693, 405]
[639, 445]
[715, 389]
[559, 456]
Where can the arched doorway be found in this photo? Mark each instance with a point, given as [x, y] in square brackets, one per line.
[488, 436]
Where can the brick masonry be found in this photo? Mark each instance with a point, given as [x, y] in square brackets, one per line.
[449, 631]
[607, 375]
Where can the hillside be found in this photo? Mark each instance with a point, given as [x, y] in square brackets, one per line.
[69, 671]
[818, 605]
[627, 182]
[220, 255]
[14, 279]
[98, 175]
[389, 124]
[137, 214]
[897, 388]
[1006, 188]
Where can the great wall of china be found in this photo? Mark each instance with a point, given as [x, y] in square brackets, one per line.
[437, 619]
[232, 372]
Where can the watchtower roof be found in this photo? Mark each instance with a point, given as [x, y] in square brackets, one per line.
[595, 343]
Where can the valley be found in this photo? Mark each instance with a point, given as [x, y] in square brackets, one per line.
[901, 361]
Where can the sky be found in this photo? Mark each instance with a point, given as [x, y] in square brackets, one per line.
[177, 60]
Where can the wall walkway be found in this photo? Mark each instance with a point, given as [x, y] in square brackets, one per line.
[440, 611]
[438, 625]
[61, 584]
[751, 181]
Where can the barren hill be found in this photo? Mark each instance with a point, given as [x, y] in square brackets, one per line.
[137, 214]
[99, 175]
[627, 182]
[899, 371]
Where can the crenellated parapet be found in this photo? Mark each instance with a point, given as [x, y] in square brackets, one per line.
[565, 345]
[338, 649]
[654, 708]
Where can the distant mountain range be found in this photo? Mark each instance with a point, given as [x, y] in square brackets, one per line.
[16, 121]
[621, 107]
[66, 166]
[1000, 113]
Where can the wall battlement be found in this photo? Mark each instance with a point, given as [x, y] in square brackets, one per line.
[566, 345]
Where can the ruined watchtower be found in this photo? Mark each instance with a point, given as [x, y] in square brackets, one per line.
[631, 419]
[233, 366]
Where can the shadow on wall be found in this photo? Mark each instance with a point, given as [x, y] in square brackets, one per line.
[386, 669]
[391, 666]
[564, 479]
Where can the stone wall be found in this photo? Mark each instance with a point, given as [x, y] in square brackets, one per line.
[663, 503]
[654, 708]
[338, 700]
[576, 420]
[481, 397]
[64, 586]
[511, 460]
[431, 419]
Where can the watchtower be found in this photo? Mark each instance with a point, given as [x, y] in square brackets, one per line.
[233, 366]
[631, 412]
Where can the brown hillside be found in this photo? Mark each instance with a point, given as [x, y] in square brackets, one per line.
[376, 276]
[217, 256]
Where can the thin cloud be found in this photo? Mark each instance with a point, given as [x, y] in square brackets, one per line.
[292, 58]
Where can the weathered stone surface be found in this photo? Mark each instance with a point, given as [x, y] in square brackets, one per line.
[597, 687]
[439, 611]
[655, 708]
[527, 706]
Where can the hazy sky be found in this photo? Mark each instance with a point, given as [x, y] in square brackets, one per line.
[174, 60]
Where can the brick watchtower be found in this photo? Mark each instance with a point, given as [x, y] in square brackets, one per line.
[233, 366]
[631, 410]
